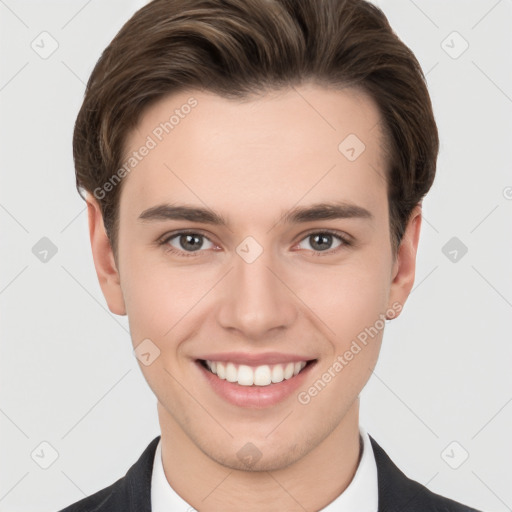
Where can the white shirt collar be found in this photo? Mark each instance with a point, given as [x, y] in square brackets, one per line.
[360, 496]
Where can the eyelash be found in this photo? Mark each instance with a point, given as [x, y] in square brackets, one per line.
[169, 249]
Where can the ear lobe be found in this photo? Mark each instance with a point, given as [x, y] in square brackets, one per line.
[404, 267]
[104, 262]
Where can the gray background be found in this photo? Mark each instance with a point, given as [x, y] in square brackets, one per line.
[68, 374]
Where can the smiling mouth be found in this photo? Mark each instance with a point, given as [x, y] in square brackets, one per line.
[262, 375]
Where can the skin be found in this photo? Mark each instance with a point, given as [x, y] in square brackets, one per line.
[252, 161]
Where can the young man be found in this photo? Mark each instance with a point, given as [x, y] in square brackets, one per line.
[254, 172]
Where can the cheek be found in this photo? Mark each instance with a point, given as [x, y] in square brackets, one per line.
[352, 302]
[158, 296]
[347, 298]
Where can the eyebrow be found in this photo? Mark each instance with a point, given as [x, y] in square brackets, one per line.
[297, 215]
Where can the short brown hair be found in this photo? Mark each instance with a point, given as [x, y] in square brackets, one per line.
[234, 48]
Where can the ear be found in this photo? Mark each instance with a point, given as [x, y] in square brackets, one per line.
[104, 261]
[404, 267]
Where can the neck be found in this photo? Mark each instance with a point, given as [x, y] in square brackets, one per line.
[310, 483]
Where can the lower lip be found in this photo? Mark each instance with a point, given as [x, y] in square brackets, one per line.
[255, 397]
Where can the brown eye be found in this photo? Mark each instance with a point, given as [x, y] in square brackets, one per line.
[189, 242]
[322, 242]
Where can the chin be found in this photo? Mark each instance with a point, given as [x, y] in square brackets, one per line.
[257, 455]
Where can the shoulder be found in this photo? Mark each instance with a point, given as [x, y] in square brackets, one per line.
[130, 492]
[398, 492]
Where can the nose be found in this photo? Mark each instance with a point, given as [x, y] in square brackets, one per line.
[257, 303]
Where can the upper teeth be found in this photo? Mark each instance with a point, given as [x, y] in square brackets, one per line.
[258, 375]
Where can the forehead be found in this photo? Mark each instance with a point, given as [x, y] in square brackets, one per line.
[247, 155]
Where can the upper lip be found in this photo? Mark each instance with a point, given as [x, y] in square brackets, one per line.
[256, 359]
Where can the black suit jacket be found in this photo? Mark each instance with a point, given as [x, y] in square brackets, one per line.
[397, 493]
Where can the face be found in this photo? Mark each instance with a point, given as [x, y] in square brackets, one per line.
[254, 243]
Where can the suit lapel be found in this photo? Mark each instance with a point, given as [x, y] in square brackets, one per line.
[397, 493]
[135, 493]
